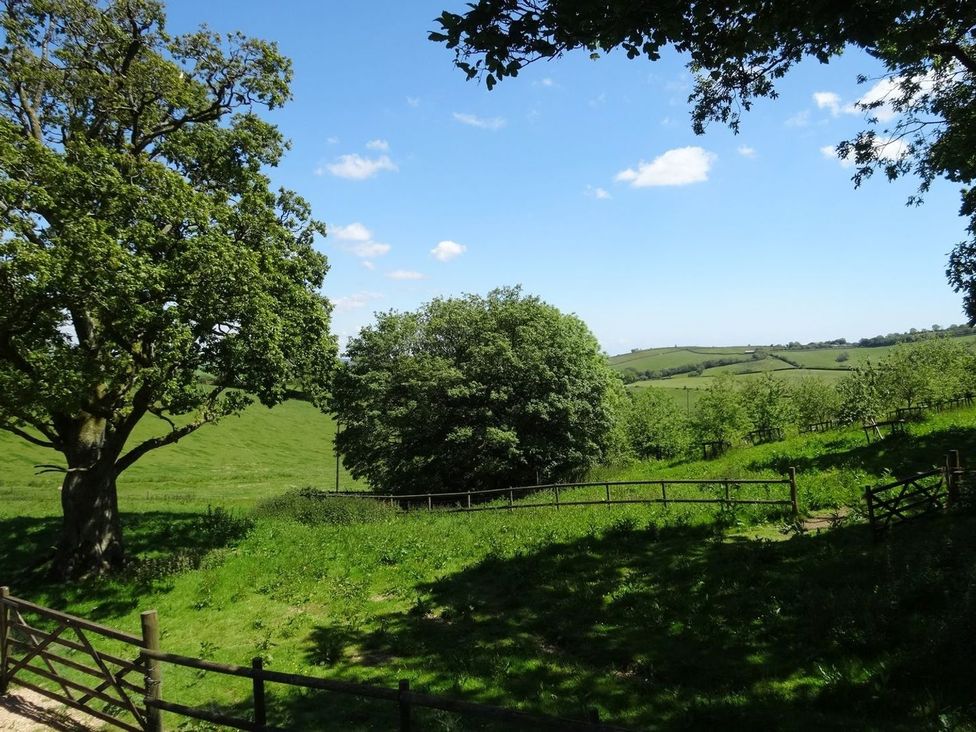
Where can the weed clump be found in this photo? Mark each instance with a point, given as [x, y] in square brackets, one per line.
[314, 507]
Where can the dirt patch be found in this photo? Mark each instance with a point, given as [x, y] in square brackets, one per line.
[22, 710]
[825, 521]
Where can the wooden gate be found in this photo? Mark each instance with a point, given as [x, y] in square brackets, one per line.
[62, 654]
[914, 496]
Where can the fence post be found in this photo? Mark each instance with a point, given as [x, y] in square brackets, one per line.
[869, 498]
[469, 499]
[260, 712]
[556, 489]
[404, 703]
[793, 503]
[664, 494]
[154, 670]
[430, 502]
[726, 483]
[511, 499]
[608, 495]
[4, 594]
[952, 477]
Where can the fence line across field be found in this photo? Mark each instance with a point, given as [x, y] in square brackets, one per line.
[469, 498]
[137, 707]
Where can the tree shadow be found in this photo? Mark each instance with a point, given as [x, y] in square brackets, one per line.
[897, 455]
[678, 629]
[158, 544]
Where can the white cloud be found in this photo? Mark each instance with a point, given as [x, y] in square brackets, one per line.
[800, 119]
[828, 100]
[882, 91]
[355, 301]
[413, 101]
[484, 123]
[368, 265]
[678, 167]
[405, 274]
[447, 250]
[887, 149]
[353, 232]
[378, 145]
[546, 82]
[601, 194]
[358, 240]
[830, 152]
[368, 249]
[746, 151]
[332, 140]
[599, 100]
[356, 167]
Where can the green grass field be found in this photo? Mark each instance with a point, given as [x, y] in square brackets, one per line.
[232, 463]
[660, 618]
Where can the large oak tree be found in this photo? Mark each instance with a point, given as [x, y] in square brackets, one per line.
[142, 246]
[738, 50]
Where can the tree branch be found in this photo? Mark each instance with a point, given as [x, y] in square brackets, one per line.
[958, 53]
[27, 436]
[138, 451]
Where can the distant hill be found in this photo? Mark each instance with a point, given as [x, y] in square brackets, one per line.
[681, 368]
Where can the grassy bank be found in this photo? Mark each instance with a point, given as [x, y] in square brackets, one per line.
[668, 618]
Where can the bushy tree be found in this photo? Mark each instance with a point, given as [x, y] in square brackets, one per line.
[739, 50]
[927, 371]
[768, 403]
[720, 415]
[815, 400]
[864, 395]
[656, 426]
[474, 392]
[141, 244]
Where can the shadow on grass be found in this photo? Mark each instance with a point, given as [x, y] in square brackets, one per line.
[153, 540]
[675, 629]
[899, 455]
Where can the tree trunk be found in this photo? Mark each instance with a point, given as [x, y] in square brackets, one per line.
[91, 536]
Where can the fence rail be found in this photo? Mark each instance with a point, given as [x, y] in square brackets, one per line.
[137, 707]
[465, 501]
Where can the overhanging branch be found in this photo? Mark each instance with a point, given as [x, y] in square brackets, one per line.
[27, 436]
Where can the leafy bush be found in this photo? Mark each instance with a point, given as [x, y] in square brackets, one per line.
[720, 414]
[313, 507]
[655, 425]
[814, 400]
[767, 403]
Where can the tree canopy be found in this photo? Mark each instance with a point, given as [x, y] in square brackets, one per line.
[473, 392]
[142, 245]
[738, 51]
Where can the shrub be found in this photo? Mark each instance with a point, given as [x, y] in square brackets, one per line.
[719, 414]
[314, 507]
[655, 425]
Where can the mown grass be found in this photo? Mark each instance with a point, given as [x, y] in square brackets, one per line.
[677, 618]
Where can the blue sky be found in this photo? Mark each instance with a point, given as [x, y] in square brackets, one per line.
[582, 181]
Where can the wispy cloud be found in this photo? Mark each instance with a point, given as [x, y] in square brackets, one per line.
[484, 123]
[746, 151]
[356, 301]
[828, 100]
[678, 167]
[357, 167]
[405, 274]
[800, 119]
[447, 250]
[601, 194]
[381, 145]
[413, 101]
[358, 240]
[332, 140]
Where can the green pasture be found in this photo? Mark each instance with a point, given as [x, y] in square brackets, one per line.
[232, 463]
[677, 618]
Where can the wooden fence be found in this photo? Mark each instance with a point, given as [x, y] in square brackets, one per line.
[138, 707]
[914, 496]
[551, 495]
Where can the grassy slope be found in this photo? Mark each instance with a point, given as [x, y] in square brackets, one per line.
[655, 617]
[231, 464]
